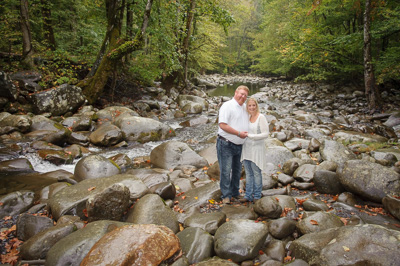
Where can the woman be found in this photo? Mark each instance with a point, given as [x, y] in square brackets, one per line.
[253, 154]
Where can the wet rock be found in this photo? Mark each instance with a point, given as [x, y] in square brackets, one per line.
[314, 145]
[215, 261]
[40, 122]
[183, 184]
[7, 88]
[171, 154]
[44, 145]
[305, 172]
[106, 135]
[349, 245]
[195, 121]
[122, 160]
[111, 113]
[48, 191]
[285, 179]
[291, 165]
[315, 205]
[369, 180]
[95, 166]
[335, 152]
[58, 101]
[278, 155]
[29, 225]
[297, 144]
[328, 166]
[239, 240]
[21, 123]
[268, 207]
[38, 245]
[16, 202]
[151, 209]
[392, 205]
[196, 104]
[209, 222]
[71, 249]
[327, 182]
[275, 250]
[282, 227]
[351, 136]
[56, 157]
[318, 222]
[145, 244]
[151, 177]
[200, 196]
[110, 204]
[238, 212]
[274, 192]
[20, 164]
[72, 199]
[393, 120]
[196, 244]
[348, 198]
[80, 138]
[165, 190]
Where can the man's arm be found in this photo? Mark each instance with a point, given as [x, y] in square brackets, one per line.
[227, 128]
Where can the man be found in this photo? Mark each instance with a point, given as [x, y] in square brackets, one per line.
[232, 132]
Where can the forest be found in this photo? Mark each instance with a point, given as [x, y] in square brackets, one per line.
[99, 45]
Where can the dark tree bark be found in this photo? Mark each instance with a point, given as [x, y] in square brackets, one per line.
[372, 92]
[112, 49]
[188, 33]
[27, 51]
[48, 25]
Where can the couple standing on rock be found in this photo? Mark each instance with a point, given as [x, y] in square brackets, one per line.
[241, 134]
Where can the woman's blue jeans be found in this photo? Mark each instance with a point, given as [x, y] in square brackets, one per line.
[253, 181]
[230, 167]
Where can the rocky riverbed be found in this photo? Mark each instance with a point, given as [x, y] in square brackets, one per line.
[330, 194]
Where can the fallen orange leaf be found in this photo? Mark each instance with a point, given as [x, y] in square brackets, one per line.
[313, 222]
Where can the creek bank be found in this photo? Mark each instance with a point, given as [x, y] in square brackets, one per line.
[320, 135]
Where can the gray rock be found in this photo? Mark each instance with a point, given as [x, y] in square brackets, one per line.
[196, 244]
[165, 190]
[20, 164]
[392, 205]
[151, 209]
[297, 144]
[200, 196]
[238, 212]
[106, 135]
[171, 154]
[209, 222]
[21, 123]
[184, 100]
[328, 166]
[282, 227]
[150, 176]
[369, 180]
[16, 202]
[290, 166]
[305, 172]
[58, 101]
[7, 88]
[275, 250]
[314, 145]
[278, 155]
[29, 225]
[327, 182]
[239, 240]
[183, 184]
[393, 120]
[315, 205]
[285, 179]
[349, 245]
[318, 222]
[94, 166]
[336, 152]
[111, 113]
[268, 207]
[40, 122]
[72, 199]
[352, 136]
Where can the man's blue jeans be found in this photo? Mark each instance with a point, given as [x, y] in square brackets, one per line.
[253, 181]
[230, 167]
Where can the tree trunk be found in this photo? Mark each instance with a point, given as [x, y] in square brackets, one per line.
[372, 92]
[188, 32]
[27, 51]
[112, 51]
[48, 25]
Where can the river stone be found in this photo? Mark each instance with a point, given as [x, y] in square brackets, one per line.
[55, 157]
[20, 164]
[328, 166]
[150, 176]
[315, 205]
[233, 212]
[72, 199]
[282, 227]
[278, 155]
[327, 182]
[44, 145]
[297, 144]
[16, 202]
[314, 145]
[38, 245]
[274, 192]
[318, 221]
[142, 245]
[369, 180]
[349, 245]
[40, 122]
[336, 152]
[393, 120]
[206, 221]
[183, 184]
[143, 129]
[197, 244]
[83, 123]
[195, 121]
[110, 204]
[58, 101]
[165, 190]
[71, 249]
[215, 261]
[305, 172]
[80, 138]
[392, 205]
[285, 179]
[111, 113]
[268, 207]
[20, 122]
[48, 191]
[171, 154]
[94, 166]
[106, 135]
[29, 225]
[286, 201]
[240, 240]
[352, 136]
[291, 165]
[275, 249]
[199, 196]
[183, 100]
[122, 160]
[151, 209]
[7, 87]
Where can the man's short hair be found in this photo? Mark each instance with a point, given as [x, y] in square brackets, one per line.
[243, 87]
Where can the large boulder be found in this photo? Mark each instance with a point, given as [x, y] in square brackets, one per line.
[106, 135]
[16, 202]
[143, 244]
[196, 243]
[352, 136]
[183, 100]
[349, 245]
[95, 166]
[336, 152]
[369, 180]
[21, 123]
[7, 88]
[58, 101]
[73, 199]
[112, 113]
[278, 155]
[171, 154]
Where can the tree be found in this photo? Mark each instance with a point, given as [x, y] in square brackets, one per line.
[113, 49]
[27, 50]
[371, 90]
[48, 25]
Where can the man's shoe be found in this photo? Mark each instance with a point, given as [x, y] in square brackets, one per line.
[226, 201]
